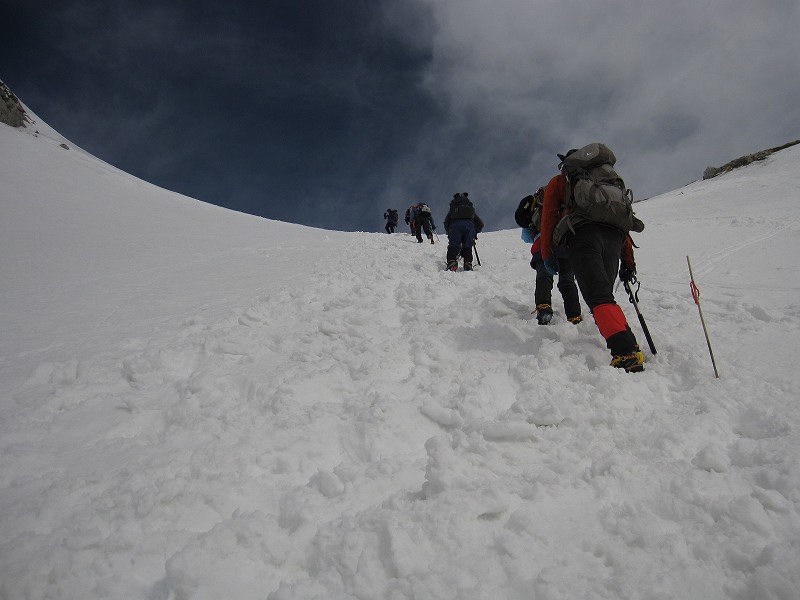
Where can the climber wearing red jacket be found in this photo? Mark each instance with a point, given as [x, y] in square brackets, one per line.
[595, 251]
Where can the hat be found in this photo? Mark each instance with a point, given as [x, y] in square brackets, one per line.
[561, 157]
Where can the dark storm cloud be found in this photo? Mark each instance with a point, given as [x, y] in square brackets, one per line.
[326, 113]
[290, 110]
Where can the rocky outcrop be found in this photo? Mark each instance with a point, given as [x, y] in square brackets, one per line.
[744, 160]
[11, 111]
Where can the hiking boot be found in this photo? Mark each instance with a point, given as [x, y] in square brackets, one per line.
[467, 266]
[431, 239]
[632, 363]
[544, 314]
[575, 320]
[452, 266]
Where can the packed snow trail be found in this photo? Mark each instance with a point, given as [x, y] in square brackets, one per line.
[360, 423]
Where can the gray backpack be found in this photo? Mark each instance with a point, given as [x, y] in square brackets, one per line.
[596, 192]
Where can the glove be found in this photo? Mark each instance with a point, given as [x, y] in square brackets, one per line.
[626, 273]
[551, 265]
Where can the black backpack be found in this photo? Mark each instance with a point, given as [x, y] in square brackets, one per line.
[596, 192]
[461, 208]
[529, 212]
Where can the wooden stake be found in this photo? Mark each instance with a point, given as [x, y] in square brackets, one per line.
[696, 296]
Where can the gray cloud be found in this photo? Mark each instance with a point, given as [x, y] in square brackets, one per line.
[671, 87]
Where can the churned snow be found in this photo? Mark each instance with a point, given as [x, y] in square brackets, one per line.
[201, 404]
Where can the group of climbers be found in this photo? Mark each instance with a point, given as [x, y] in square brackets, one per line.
[461, 224]
[583, 241]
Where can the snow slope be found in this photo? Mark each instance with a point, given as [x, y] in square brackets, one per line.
[200, 404]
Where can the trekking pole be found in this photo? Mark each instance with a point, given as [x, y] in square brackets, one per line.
[634, 298]
[696, 297]
[475, 248]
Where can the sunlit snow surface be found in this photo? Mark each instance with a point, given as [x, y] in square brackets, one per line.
[200, 404]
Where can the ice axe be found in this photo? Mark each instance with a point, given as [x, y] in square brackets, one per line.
[634, 298]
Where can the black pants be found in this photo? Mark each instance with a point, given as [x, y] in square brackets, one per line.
[543, 292]
[423, 224]
[594, 252]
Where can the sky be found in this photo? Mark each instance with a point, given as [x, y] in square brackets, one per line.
[349, 108]
[200, 404]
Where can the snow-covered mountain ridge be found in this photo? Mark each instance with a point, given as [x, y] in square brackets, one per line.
[196, 403]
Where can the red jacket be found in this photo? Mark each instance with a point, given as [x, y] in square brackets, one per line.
[554, 208]
[537, 245]
[554, 195]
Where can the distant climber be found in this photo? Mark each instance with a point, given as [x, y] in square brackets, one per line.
[392, 218]
[462, 225]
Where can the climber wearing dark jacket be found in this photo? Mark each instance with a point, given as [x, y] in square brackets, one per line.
[462, 225]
